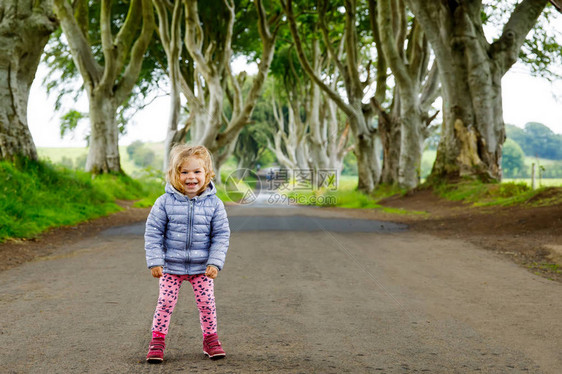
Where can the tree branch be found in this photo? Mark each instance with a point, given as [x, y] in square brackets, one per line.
[401, 74]
[194, 38]
[126, 34]
[109, 52]
[380, 91]
[268, 43]
[132, 71]
[506, 49]
[83, 57]
[346, 108]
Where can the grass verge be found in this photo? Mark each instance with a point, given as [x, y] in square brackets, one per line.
[38, 195]
[499, 194]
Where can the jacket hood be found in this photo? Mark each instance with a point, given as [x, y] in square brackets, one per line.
[210, 190]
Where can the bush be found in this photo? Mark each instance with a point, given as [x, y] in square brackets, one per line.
[513, 160]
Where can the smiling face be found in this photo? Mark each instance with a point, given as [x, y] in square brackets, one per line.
[192, 176]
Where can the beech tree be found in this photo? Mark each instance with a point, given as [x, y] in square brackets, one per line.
[416, 86]
[348, 65]
[211, 48]
[109, 83]
[470, 70]
[309, 132]
[25, 27]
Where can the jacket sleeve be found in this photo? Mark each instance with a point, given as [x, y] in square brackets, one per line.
[154, 234]
[220, 237]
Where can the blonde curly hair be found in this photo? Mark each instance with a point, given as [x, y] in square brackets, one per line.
[179, 154]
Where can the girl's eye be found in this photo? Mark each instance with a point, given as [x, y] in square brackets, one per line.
[197, 171]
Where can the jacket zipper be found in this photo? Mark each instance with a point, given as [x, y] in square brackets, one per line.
[190, 210]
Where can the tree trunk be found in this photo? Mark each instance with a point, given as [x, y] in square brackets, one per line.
[471, 70]
[411, 145]
[108, 86]
[103, 156]
[368, 165]
[389, 131]
[24, 31]
[473, 129]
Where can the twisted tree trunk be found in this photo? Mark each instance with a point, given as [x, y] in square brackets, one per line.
[470, 70]
[25, 27]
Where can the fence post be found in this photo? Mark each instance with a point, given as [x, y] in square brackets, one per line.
[533, 176]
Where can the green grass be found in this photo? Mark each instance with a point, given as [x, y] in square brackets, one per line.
[38, 195]
[502, 194]
[347, 196]
[544, 182]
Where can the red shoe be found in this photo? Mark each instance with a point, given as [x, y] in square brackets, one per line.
[212, 347]
[156, 351]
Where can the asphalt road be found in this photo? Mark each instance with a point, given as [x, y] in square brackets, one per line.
[302, 291]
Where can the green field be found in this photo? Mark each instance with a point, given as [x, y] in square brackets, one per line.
[545, 182]
[55, 155]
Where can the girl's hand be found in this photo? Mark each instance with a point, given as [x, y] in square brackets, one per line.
[156, 271]
[212, 272]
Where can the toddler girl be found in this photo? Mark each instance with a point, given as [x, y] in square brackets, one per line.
[186, 239]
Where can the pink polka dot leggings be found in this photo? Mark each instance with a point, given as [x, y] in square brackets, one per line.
[203, 289]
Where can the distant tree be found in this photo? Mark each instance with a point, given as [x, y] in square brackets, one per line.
[544, 143]
[513, 160]
[66, 162]
[340, 31]
[519, 136]
[537, 140]
[80, 162]
[349, 164]
[144, 157]
[133, 147]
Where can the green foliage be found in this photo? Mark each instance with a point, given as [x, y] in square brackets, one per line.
[132, 148]
[537, 140]
[541, 50]
[513, 160]
[347, 196]
[70, 120]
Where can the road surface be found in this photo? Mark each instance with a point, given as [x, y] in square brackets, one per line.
[303, 291]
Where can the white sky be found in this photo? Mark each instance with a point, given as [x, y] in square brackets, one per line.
[525, 99]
